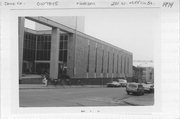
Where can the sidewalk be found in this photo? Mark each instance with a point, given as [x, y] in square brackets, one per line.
[147, 99]
[41, 86]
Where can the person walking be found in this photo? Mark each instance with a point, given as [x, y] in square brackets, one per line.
[45, 81]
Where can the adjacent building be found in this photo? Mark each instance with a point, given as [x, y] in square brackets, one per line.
[143, 74]
[148, 74]
[64, 50]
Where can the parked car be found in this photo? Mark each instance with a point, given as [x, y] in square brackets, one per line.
[113, 84]
[148, 87]
[152, 88]
[135, 88]
[122, 82]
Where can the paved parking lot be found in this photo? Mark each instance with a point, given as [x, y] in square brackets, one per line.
[79, 96]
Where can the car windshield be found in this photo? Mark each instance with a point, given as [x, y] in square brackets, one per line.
[132, 86]
[122, 80]
[140, 86]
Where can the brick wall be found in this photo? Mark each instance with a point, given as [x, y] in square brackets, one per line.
[82, 60]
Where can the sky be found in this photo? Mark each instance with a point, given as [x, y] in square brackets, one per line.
[131, 30]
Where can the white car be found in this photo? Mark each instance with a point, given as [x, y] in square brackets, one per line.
[122, 82]
[148, 87]
[113, 84]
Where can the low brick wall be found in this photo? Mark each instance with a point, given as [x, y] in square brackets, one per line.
[31, 81]
[78, 81]
[90, 81]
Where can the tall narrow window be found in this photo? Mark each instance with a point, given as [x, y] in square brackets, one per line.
[88, 57]
[63, 46]
[117, 64]
[96, 60]
[102, 62]
[128, 65]
[125, 65]
[113, 64]
[29, 46]
[121, 64]
[108, 63]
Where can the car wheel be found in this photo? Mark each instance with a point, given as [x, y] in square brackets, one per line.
[138, 93]
[128, 92]
[142, 93]
[151, 91]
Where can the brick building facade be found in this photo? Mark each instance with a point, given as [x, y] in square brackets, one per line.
[64, 50]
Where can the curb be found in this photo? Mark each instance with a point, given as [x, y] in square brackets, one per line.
[133, 101]
[60, 87]
[132, 104]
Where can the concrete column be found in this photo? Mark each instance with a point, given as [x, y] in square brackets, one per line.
[21, 43]
[70, 59]
[54, 59]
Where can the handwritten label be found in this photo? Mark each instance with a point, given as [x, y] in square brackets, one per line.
[141, 2]
[116, 3]
[56, 3]
[85, 3]
[168, 4]
[18, 3]
[138, 2]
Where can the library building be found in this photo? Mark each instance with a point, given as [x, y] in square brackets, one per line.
[62, 48]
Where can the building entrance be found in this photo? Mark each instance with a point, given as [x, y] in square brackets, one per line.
[28, 67]
[62, 70]
[41, 68]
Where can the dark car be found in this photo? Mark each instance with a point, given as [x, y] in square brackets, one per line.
[135, 88]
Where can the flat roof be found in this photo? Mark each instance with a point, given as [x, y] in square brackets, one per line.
[51, 23]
